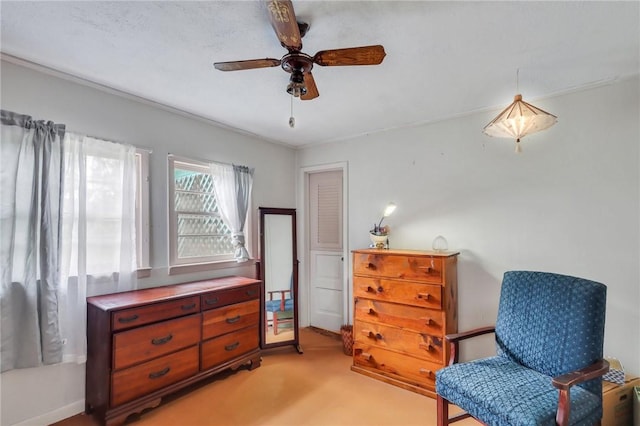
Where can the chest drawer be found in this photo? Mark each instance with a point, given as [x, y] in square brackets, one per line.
[413, 370]
[416, 294]
[220, 349]
[427, 269]
[133, 382]
[216, 322]
[412, 318]
[420, 345]
[135, 317]
[229, 297]
[141, 344]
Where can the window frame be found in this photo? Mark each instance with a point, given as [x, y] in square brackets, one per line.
[143, 223]
[202, 263]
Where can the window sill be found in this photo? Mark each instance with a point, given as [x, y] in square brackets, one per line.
[144, 272]
[210, 266]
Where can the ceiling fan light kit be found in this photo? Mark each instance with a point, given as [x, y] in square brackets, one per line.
[299, 64]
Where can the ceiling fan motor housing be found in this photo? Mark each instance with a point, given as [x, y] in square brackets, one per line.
[297, 61]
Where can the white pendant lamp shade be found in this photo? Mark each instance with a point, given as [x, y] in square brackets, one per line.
[518, 120]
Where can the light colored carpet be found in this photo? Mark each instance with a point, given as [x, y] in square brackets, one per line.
[315, 388]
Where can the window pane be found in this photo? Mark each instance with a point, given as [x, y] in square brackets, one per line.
[200, 230]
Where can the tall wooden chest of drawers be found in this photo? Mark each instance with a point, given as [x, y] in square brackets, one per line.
[405, 302]
[145, 344]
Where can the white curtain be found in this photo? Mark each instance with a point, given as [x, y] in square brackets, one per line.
[232, 185]
[98, 231]
[29, 249]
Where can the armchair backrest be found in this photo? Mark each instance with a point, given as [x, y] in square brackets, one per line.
[551, 323]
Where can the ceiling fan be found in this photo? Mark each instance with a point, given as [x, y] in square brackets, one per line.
[297, 63]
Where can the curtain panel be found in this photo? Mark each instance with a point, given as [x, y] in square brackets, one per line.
[232, 185]
[98, 231]
[67, 223]
[30, 215]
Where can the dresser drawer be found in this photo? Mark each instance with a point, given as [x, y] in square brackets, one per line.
[417, 268]
[141, 344]
[133, 382]
[228, 297]
[413, 370]
[412, 318]
[411, 293]
[136, 317]
[217, 351]
[216, 322]
[420, 345]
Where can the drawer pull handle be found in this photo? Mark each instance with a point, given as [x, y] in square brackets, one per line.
[212, 301]
[232, 346]
[425, 296]
[188, 307]
[380, 289]
[426, 372]
[370, 333]
[367, 356]
[162, 340]
[125, 320]
[371, 266]
[160, 373]
[370, 289]
[371, 311]
[232, 320]
[426, 346]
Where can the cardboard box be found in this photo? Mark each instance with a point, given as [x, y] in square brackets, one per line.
[617, 402]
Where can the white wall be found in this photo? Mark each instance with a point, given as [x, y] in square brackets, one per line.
[568, 204]
[47, 394]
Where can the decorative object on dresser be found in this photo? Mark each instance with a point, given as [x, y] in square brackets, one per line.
[405, 302]
[380, 234]
[145, 344]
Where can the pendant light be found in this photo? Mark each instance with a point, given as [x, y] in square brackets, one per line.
[518, 120]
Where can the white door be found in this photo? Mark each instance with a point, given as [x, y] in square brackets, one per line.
[326, 250]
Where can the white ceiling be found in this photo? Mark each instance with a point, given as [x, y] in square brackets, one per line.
[444, 59]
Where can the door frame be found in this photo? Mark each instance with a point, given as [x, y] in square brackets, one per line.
[302, 201]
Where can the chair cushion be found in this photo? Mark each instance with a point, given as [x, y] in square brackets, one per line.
[274, 305]
[498, 391]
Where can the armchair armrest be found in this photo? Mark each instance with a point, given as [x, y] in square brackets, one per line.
[454, 340]
[564, 382]
[597, 369]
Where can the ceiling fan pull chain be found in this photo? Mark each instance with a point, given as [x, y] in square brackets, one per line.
[292, 120]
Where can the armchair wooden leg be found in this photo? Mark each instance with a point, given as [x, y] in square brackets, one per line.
[443, 411]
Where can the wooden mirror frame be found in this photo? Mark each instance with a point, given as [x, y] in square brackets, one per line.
[264, 211]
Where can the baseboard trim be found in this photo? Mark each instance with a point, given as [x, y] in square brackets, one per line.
[54, 416]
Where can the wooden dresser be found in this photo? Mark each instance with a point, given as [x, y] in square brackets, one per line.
[144, 344]
[405, 301]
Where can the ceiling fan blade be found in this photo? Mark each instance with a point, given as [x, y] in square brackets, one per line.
[247, 65]
[312, 90]
[365, 55]
[283, 21]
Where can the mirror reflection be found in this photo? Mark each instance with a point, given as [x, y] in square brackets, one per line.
[279, 275]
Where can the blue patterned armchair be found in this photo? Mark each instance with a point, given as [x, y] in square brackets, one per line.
[548, 368]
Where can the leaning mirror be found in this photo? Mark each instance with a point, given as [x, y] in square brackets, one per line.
[279, 275]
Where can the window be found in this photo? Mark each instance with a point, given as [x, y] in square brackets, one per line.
[101, 179]
[197, 233]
